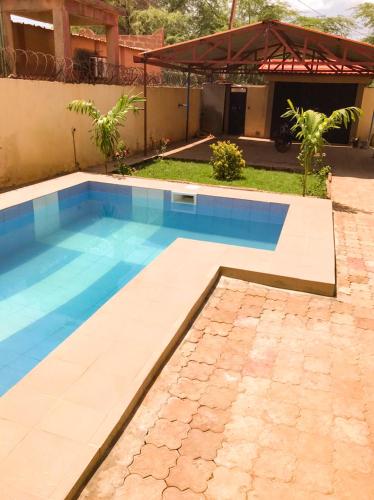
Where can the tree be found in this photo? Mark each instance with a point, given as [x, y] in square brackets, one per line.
[130, 7]
[208, 16]
[205, 16]
[177, 25]
[186, 19]
[251, 11]
[364, 12]
[105, 127]
[338, 25]
[310, 127]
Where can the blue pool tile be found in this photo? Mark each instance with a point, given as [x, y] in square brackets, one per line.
[74, 191]
[43, 348]
[7, 354]
[8, 378]
[11, 374]
[204, 205]
[107, 235]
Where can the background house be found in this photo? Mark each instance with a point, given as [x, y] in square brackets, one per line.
[85, 43]
[61, 29]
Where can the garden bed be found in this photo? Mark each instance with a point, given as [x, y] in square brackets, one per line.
[253, 178]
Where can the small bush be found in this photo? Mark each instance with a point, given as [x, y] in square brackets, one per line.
[163, 146]
[320, 172]
[120, 160]
[227, 161]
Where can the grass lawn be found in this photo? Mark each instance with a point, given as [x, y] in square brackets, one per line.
[266, 180]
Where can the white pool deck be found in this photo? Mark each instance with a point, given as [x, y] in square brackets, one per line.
[59, 419]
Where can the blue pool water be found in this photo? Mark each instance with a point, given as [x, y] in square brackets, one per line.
[64, 255]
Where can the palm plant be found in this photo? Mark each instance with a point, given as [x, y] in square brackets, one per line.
[105, 127]
[310, 127]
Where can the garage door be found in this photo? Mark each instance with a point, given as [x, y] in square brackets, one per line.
[324, 97]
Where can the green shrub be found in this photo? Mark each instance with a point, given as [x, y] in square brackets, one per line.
[227, 161]
[120, 160]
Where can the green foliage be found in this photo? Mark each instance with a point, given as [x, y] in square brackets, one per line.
[251, 11]
[128, 8]
[105, 127]
[181, 19]
[177, 25]
[319, 173]
[186, 19]
[254, 178]
[227, 161]
[208, 16]
[163, 146]
[191, 18]
[310, 127]
[323, 173]
[338, 25]
[120, 160]
[125, 169]
[364, 12]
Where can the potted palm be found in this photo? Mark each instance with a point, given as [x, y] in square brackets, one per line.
[105, 127]
[310, 127]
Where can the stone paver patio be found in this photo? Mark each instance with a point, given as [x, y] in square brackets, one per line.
[271, 393]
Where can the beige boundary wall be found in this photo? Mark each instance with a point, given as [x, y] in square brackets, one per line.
[368, 109]
[260, 103]
[257, 107]
[36, 128]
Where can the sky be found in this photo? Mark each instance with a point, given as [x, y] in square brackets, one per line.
[328, 8]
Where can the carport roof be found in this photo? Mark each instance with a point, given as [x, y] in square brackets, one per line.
[267, 47]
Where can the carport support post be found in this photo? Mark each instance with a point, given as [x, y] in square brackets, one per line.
[145, 106]
[188, 102]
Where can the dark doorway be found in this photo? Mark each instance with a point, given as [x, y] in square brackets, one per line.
[324, 97]
[238, 99]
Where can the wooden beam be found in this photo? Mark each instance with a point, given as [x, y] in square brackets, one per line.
[246, 45]
[210, 49]
[285, 44]
[353, 46]
[305, 48]
[158, 62]
[266, 48]
[229, 48]
[344, 61]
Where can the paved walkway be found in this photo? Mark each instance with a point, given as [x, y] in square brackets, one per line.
[270, 395]
[257, 152]
[262, 153]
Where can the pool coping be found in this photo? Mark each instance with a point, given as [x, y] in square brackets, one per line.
[58, 421]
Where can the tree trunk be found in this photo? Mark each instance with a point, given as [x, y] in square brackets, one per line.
[307, 164]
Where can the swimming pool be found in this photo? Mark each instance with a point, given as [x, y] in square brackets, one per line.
[65, 254]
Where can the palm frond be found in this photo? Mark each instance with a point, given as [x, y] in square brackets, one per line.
[345, 116]
[292, 112]
[310, 127]
[105, 127]
[125, 104]
[84, 108]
